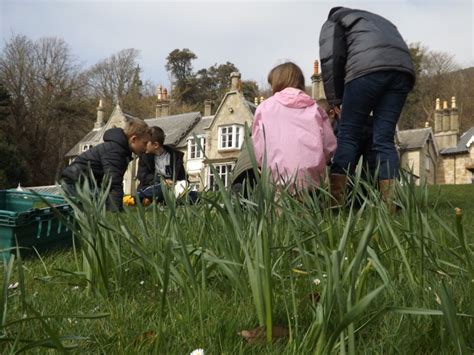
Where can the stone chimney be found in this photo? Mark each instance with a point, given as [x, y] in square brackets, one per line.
[446, 124]
[446, 117]
[317, 87]
[162, 107]
[100, 116]
[438, 117]
[158, 111]
[159, 94]
[454, 116]
[165, 104]
[207, 107]
[235, 83]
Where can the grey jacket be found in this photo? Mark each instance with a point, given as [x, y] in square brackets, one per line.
[354, 43]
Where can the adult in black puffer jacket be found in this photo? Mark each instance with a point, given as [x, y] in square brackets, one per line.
[109, 158]
[366, 66]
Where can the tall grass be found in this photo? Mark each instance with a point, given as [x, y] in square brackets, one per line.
[352, 280]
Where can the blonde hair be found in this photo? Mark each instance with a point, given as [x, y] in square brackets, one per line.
[136, 127]
[286, 75]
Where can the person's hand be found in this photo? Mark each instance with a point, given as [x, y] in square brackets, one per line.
[169, 182]
[337, 111]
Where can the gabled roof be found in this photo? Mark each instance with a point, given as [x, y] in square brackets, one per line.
[176, 127]
[199, 129]
[250, 106]
[464, 143]
[93, 136]
[412, 139]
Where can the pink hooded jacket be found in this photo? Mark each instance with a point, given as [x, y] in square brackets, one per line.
[297, 135]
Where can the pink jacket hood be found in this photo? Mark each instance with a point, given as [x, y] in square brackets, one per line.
[294, 98]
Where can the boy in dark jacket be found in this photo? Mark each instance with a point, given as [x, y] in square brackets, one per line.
[366, 67]
[109, 158]
[160, 162]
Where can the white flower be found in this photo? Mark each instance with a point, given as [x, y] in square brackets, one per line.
[13, 286]
[317, 281]
[197, 352]
[324, 275]
[142, 282]
[75, 288]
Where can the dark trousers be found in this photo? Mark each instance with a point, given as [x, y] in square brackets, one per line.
[383, 94]
[152, 192]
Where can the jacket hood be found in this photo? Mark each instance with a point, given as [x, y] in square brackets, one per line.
[118, 136]
[334, 9]
[294, 98]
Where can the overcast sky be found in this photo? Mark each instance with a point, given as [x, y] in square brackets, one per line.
[255, 36]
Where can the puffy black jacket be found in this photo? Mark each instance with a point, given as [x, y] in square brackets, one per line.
[354, 43]
[146, 168]
[108, 158]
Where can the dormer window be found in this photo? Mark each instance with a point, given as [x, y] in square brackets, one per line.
[86, 147]
[194, 150]
[231, 137]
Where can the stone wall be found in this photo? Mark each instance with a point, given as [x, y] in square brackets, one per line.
[232, 111]
[452, 169]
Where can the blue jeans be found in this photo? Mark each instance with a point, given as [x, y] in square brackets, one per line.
[384, 94]
[152, 192]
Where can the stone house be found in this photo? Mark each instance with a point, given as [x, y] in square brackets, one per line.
[176, 128]
[433, 157]
[419, 154]
[220, 135]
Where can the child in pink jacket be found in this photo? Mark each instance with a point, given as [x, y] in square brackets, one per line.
[293, 130]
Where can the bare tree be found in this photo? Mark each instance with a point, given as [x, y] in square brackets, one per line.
[113, 78]
[437, 76]
[49, 109]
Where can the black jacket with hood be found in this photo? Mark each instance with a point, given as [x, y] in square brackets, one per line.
[146, 168]
[354, 43]
[108, 158]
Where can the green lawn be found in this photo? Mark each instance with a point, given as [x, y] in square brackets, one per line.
[171, 280]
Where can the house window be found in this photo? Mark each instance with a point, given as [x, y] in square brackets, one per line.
[194, 151]
[86, 147]
[224, 171]
[230, 137]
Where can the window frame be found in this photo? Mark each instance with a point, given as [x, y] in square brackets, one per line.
[236, 137]
[192, 144]
[86, 147]
[225, 176]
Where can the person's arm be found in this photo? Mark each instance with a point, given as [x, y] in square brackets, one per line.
[258, 139]
[144, 174]
[180, 170]
[332, 54]
[114, 164]
[329, 139]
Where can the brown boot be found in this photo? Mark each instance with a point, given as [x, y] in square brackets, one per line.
[387, 191]
[338, 188]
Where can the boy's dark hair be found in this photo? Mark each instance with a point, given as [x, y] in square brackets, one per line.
[157, 135]
[286, 75]
[136, 127]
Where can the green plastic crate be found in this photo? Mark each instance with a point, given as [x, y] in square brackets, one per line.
[27, 218]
